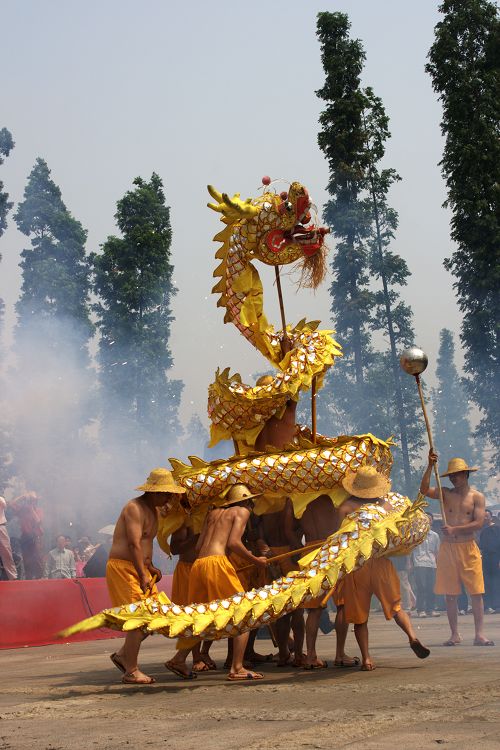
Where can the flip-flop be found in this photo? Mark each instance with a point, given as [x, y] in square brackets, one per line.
[235, 677]
[356, 661]
[203, 668]
[449, 642]
[368, 668]
[320, 664]
[176, 670]
[261, 658]
[208, 661]
[126, 679]
[419, 649]
[484, 643]
[118, 663]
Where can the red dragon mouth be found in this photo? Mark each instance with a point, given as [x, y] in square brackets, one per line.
[310, 238]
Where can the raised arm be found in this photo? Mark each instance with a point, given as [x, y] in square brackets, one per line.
[425, 489]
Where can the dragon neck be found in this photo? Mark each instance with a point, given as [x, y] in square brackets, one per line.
[240, 287]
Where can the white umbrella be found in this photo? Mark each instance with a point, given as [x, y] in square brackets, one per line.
[109, 530]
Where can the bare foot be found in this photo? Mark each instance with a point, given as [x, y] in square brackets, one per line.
[200, 666]
[136, 677]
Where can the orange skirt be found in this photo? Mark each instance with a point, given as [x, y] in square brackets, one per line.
[213, 577]
[180, 583]
[123, 583]
[377, 577]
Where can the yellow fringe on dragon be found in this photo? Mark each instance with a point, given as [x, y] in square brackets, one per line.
[371, 531]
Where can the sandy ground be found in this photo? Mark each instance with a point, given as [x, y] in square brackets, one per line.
[70, 696]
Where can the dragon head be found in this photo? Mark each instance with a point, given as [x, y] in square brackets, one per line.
[277, 229]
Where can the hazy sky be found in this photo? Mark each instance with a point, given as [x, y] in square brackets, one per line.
[219, 93]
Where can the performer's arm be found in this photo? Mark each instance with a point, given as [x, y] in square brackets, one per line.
[425, 489]
[235, 544]
[133, 530]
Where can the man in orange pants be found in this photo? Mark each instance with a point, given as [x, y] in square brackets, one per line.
[376, 577]
[214, 577]
[130, 568]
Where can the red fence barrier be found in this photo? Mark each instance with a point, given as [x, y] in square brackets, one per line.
[32, 612]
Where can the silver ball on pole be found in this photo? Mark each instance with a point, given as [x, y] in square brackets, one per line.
[413, 360]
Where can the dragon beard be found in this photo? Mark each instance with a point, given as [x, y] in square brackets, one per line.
[312, 269]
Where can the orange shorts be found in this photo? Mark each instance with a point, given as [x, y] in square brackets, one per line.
[213, 577]
[377, 577]
[457, 563]
[123, 582]
[180, 583]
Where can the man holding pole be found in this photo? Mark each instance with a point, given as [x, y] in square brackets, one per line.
[459, 559]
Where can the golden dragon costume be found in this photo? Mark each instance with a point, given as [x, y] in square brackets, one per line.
[276, 230]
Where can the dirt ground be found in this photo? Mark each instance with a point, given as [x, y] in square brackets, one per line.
[70, 696]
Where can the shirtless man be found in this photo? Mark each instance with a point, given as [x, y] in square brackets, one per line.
[214, 577]
[318, 521]
[376, 577]
[279, 532]
[459, 559]
[130, 569]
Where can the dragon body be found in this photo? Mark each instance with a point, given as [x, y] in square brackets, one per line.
[276, 230]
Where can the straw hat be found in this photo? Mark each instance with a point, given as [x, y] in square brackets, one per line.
[161, 480]
[457, 464]
[237, 493]
[366, 482]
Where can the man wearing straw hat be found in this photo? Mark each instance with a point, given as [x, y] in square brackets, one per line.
[459, 558]
[376, 577]
[213, 575]
[130, 569]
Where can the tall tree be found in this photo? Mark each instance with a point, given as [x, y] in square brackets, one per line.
[196, 440]
[464, 67]
[342, 140]
[53, 308]
[133, 281]
[52, 388]
[355, 129]
[450, 404]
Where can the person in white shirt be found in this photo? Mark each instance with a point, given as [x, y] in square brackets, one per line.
[60, 561]
[424, 569]
[5, 548]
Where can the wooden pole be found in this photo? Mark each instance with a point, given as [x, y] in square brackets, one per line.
[280, 297]
[284, 555]
[431, 445]
[313, 409]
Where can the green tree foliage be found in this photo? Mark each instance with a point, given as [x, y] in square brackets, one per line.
[452, 430]
[133, 282]
[464, 67]
[365, 390]
[6, 146]
[53, 307]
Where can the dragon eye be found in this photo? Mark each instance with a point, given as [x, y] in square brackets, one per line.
[289, 206]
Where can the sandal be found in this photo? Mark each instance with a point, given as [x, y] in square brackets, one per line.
[118, 664]
[208, 661]
[129, 679]
[451, 642]
[200, 666]
[347, 663]
[319, 664]
[245, 677]
[178, 671]
[483, 643]
[419, 649]
[368, 667]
